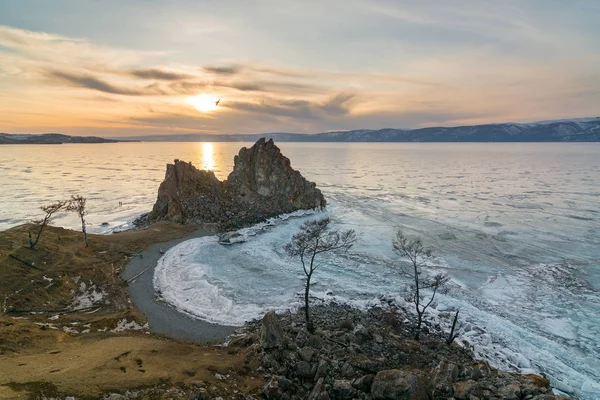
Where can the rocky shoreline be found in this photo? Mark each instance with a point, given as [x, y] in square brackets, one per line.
[371, 355]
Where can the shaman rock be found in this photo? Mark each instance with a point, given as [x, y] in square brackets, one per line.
[262, 185]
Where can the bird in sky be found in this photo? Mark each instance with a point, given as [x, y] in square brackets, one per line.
[217, 102]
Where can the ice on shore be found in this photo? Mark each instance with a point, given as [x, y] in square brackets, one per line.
[538, 317]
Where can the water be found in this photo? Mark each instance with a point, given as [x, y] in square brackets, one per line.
[514, 225]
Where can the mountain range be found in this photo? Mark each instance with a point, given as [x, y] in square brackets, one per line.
[573, 130]
[570, 130]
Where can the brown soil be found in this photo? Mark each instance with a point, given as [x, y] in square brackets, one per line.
[38, 357]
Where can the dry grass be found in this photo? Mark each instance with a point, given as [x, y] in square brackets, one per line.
[38, 358]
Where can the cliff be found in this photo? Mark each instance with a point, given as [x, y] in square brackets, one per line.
[262, 184]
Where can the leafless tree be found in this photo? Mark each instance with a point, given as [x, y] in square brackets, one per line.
[452, 335]
[77, 204]
[417, 254]
[314, 239]
[41, 223]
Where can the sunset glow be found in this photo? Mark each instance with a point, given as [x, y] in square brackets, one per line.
[381, 64]
[204, 102]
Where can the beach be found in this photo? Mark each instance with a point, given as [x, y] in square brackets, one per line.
[162, 318]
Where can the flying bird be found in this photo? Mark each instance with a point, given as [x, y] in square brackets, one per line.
[217, 102]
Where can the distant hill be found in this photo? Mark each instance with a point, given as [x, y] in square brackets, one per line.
[574, 130]
[568, 130]
[50, 138]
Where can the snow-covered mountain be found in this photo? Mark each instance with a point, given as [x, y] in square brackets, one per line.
[569, 130]
[587, 130]
[575, 130]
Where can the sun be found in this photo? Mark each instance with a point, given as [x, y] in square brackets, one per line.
[204, 102]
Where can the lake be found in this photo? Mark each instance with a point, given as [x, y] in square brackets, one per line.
[515, 226]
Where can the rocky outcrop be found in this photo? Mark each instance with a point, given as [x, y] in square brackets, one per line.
[375, 360]
[189, 195]
[262, 184]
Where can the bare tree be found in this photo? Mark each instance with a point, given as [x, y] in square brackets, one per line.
[314, 239]
[77, 204]
[452, 335]
[49, 210]
[417, 254]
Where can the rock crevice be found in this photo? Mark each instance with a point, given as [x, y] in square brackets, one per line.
[262, 184]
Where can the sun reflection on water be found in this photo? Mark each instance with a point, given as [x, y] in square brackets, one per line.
[208, 156]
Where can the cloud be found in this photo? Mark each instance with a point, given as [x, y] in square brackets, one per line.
[159, 74]
[232, 69]
[335, 106]
[91, 82]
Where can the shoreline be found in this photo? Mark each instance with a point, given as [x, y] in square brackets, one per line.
[162, 318]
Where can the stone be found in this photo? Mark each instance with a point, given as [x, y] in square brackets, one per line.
[271, 333]
[441, 379]
[363, 383]
[306, 353]
[465, 389]
[301, 338]
[484, 369]
[262, 185]
[230, 237]
[198, 394]
[304, 370]
[362, 334]
[395, 384]
[510, 392]
[318, 390]
[271, 389]
[347, 370]
[343, 389]
[314, 341]
[321, 370]
[115, 396]
[284, 383]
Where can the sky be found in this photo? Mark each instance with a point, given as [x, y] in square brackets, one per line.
[125, 68]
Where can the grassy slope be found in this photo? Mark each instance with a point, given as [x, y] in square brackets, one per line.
[36, 357]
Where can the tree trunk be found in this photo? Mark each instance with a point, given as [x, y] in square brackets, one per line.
[309, 326]
[37, 237]
[84, 232]
[419, 321]
[451, 337]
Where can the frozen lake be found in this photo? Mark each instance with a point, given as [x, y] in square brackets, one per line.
[516, 226]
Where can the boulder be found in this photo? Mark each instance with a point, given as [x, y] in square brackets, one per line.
[306, 353]
[510, 392]
[441, 379]
[362, 334]
[342, 389]
[230, 237]
[465, 389]
[262, 185]
[271, 333]
[399, 385]
[305, 370]
[363, 383]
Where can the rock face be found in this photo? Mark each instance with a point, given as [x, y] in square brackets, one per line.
[262, 184]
